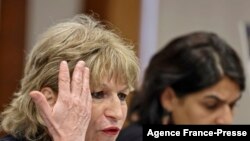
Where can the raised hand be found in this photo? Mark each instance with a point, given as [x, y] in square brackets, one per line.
[68, 119]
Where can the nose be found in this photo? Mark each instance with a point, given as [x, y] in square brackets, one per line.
[225, 116]
[114, 109]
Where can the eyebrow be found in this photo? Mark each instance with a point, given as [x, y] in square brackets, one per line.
[221, 100]
[105, 85]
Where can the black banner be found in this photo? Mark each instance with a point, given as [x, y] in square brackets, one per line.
[164, 132]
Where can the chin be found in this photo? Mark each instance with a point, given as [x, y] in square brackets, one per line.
[102, 137]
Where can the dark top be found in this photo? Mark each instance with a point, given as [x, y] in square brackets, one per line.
[131, 133]
[10, 138]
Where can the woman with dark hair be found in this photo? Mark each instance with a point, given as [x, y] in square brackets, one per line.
[195, 79]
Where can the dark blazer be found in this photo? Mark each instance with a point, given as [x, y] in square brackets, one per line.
[131, 133]
[10, 138]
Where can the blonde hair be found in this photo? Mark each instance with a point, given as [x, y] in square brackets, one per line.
[82, 38]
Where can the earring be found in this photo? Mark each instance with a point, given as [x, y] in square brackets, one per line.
[166, 117]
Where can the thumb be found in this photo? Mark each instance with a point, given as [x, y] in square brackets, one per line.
[42, 104]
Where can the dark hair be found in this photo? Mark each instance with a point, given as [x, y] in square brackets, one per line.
[187, 64]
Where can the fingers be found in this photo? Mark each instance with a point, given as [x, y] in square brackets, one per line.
[64, 80]
[77, 79]
[80, 80]
[44, 109]
[86, 89]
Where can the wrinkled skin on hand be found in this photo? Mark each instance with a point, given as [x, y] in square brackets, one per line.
[68, 119]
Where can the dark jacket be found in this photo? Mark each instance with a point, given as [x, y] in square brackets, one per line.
[131, 133]
[10, 138]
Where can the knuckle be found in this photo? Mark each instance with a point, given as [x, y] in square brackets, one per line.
[64, 80]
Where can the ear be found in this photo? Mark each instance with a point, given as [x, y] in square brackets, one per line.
[50, 95]
[168, 99]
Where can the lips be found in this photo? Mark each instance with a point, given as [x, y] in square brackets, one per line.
[111, 131]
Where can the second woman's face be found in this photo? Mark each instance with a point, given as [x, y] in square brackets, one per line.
[213, 105]
[109, 111]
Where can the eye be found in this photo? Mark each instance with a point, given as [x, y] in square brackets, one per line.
[122, 96]
[233, 105]
[98, 95]
[211, 105]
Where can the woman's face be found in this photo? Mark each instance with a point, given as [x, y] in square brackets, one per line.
[109, 111]
[213, 105]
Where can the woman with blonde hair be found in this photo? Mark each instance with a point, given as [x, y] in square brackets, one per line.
[75, 84]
